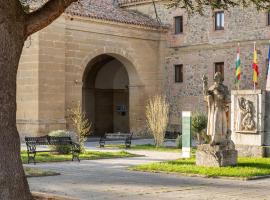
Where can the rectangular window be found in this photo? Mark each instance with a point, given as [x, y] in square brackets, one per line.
[178, 24]
[268, 18]
[219, 67]
[219, 20]
[178, 73]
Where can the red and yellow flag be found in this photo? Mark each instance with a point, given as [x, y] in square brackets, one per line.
[255, 66]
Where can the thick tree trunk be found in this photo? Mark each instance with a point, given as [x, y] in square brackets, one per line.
[13, 183]
[15, 27]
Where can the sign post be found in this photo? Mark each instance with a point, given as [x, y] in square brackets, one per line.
[186, 134]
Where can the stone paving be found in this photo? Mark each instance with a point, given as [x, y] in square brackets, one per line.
[110, 179]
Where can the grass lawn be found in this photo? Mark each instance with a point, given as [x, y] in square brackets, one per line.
[247, 168]
[34, 172]
[88, 155]
[149, 147]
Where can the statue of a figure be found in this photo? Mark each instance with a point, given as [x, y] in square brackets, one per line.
[246, 121]
[218, 100]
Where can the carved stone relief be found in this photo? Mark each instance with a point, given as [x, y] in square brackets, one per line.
[246, 115]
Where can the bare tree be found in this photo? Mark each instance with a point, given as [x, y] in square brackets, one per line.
[157, 111]
[15, 26]
[81, 124]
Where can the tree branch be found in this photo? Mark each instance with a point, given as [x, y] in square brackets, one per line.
[44, 16]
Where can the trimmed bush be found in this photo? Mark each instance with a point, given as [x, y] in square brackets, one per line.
[61, 149]
[199, 124]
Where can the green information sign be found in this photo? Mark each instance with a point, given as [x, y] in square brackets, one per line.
[186, 134]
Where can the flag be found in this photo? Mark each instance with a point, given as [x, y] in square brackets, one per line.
[267, 70]
[238, 67]
[255, 66]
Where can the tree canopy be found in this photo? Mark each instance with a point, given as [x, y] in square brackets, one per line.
[192, 6]
[198, 6]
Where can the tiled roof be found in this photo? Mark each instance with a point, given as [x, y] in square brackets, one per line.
[106, 10]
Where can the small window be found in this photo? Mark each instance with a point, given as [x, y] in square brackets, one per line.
[178, 73]
[178, 25]
[219, 67]
[219, 20]
[268, 18]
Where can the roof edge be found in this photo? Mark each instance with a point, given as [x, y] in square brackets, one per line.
[140, 26]
[129, 3]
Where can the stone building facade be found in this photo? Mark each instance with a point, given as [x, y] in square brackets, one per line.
[113, 55]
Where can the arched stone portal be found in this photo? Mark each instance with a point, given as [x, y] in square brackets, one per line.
[106, 95]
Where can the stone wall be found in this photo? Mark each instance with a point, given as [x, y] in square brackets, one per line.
[41, 103]
[52, 77]
[200, 46]
[252, 151]
[27, 87]
[51, 72]
[241, 24]
[137, 48]
[64, 54]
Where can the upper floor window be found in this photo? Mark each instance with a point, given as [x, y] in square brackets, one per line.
[219, 20]
[219, 67]
[178, 73]
[178, 24]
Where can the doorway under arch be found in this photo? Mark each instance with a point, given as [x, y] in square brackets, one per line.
[106, 95]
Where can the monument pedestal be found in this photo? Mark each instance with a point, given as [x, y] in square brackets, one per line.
[216, 155]
[250, 121]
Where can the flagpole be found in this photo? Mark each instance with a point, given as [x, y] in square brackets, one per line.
[254, 84]
[238, 84]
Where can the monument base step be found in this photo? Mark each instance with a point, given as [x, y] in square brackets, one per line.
[216, 156]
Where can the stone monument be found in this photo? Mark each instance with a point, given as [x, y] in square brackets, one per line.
[221, 150]
[248, 115]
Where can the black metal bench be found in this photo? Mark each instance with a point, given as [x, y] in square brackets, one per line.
[171, 135]
[33, 142]
[125, 137]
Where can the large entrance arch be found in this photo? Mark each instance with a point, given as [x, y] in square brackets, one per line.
[106, 95]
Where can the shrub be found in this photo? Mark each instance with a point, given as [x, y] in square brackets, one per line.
[157, 111]
[62, 149]
[199, 124]
[178, 141]
[81, 124]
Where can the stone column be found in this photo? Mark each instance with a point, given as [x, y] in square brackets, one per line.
[137, 103]
[267, 122]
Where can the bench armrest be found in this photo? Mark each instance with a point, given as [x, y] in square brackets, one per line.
[31, 148]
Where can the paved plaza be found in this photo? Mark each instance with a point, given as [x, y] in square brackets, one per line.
[110, 179]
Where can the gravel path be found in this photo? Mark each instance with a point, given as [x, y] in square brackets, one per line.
[110, 179]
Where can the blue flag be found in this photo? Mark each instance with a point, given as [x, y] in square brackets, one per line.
[267, 71]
